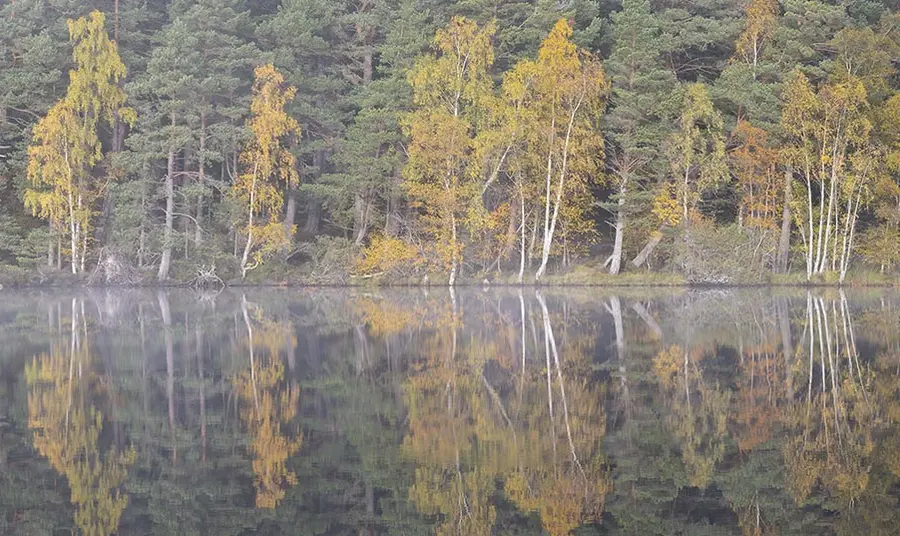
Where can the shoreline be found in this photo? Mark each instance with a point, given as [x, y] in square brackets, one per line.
[489, 286]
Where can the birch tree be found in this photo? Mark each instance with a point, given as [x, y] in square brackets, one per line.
[569, 94]
[266, 163]
[66, 144]
[450, 88]
[829, 147]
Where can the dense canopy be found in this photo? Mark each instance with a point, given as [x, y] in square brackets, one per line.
[390, 140]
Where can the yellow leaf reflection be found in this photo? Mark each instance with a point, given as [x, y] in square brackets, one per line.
[67, 427]
[268, 402]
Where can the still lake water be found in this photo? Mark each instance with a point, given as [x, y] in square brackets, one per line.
[591, 411]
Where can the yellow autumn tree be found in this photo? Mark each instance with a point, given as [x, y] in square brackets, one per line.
[829, 145]
[699, 412]
[696, 150]
[561, 471]
[760, 24]
[450, 90]
[66, 145]
[753, 161]
[267, 164]
[569, 90]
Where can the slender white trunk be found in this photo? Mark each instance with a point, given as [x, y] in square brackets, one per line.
[616, 262]
[249, 244]
[548, 235]
[547, 182]
[454, 262]
[166, 259]
[522, 249]
[810, 246]
[73, 234]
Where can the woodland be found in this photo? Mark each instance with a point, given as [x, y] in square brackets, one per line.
[437, 141]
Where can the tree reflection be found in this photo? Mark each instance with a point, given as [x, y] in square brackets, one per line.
[833, 429]
[459, 412]
[475, 421]
[268, 404]
[67, 427]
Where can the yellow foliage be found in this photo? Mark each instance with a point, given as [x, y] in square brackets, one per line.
[762, 19]
[754, 164]
[66, 145]
[667, 363]
[267, 166]
[665, 205]
[696, 150]
[387, 254]
[452, 90]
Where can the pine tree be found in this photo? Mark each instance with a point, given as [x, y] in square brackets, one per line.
[642, 111]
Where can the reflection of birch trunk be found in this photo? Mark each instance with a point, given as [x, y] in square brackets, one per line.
[549, 338]
[522, 320]
[198, 340]
[782, 311]
[615, 309]
[648, 319]
[522, 371]
[74, 335]
[361, 341]
[144, 380]
[247, 323]
[811, 329]
[831, 334]
[170, 366]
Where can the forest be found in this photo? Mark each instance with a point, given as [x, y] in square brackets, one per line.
[437, 141]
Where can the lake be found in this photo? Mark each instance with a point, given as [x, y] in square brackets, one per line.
[470, 412]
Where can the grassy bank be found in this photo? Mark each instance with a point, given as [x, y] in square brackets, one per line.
[581, 276]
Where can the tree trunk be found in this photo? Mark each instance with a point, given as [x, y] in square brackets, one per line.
[454, 263]
[246, 256]
[392, 216]
[314, 205]
[313, 217]
[73, 234]
[784, 243]
[522, 236]
[616, 263]
[290, 211]
[642, 257]
[166, 260]
[201, 180]
[361, 206]
[50, 246]
[551, 229]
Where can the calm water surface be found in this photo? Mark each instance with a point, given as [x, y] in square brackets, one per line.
[695, 412]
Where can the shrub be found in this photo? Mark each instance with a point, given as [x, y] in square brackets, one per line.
[706, 253]
[389, 256]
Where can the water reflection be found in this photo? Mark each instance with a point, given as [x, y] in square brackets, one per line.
[450, 412]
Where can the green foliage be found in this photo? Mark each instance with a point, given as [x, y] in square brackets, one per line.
[679, 79]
